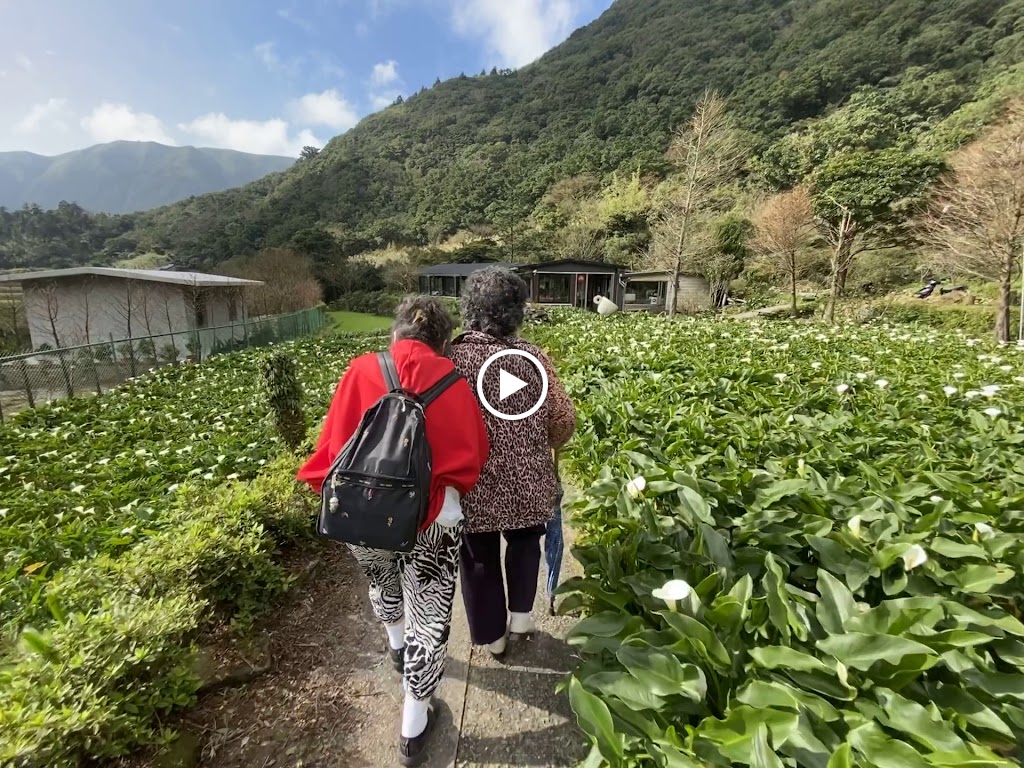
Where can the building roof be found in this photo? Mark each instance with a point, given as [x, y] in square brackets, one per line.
[665, 274]
[457, 270]
[195, 279]
[564, 262]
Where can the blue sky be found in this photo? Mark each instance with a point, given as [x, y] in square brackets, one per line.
[257, 76]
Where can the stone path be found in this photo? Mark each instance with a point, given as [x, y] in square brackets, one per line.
[331, 701]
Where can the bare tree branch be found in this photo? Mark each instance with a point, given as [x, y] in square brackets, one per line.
[974, 224]
[707, 153]
[784, 231]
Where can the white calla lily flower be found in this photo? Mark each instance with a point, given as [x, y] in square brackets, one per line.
[636, 486]
[914, 557]
[984, 530]
[992, 412]
[950, 391]
[854, 525]
[843, 389]
[672, 593]
[882, 383]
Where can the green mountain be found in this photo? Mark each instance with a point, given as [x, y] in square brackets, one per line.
[477, 152]
[125, 176]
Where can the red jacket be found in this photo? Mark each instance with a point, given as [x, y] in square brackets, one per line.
[455, 427]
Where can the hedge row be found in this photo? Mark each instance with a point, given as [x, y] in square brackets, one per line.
[121, 650]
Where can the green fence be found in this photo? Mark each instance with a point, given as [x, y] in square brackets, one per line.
[33, 378]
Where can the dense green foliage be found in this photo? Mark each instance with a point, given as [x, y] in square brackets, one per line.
[504, 152]
[801, 547]
[92, 476]
[126, 176]
[163, 514]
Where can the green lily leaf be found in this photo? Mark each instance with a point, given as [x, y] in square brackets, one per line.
[593, 717]
[662, 673]
[861, 651]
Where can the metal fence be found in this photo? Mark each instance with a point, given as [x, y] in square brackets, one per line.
[35, 378]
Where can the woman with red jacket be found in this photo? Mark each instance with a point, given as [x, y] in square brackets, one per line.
[412, 594]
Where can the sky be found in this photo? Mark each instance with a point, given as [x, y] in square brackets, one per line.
[262, 76]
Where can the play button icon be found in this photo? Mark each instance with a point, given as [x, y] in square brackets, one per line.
[510, 384]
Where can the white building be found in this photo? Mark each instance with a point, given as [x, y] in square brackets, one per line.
[653, 292]
[92, 305]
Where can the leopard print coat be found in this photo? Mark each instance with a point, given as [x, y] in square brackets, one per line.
[518, 487]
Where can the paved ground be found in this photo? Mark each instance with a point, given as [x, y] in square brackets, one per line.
[330, 701]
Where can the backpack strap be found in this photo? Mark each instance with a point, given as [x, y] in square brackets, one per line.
[438, 389]
[387, 367]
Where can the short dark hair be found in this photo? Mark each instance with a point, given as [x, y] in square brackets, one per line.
[494, 301]
[423, 318]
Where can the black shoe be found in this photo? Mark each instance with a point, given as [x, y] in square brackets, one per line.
[412, 752]
[398, 660]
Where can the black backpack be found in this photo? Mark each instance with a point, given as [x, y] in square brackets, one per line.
[377, 491]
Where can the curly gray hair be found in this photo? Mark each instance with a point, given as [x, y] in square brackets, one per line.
[494, 302]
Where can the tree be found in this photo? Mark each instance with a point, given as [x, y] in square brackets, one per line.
[288, 281]
[863, 201]
[309, 152]
[783, 233]
[975, 219]
[706, 153]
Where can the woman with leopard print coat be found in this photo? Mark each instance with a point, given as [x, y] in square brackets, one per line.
[515, 496]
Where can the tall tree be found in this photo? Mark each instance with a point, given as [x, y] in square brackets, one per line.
[863, 200]
[706, 153]
[783, 233]
[975, 220]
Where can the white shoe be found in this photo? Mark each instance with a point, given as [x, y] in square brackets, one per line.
[498, 647]
[522, 624]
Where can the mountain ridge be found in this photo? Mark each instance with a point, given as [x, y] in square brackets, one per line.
[127, 176]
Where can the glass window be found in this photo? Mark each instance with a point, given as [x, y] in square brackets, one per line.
[645, 292]
[424, 284]
[448, 286]
[232, 309]
[553, 289]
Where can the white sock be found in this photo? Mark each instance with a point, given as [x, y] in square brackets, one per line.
[396, 635]
[521, 623]
[414, 716]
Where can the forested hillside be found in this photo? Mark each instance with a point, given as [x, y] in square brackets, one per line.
[504, 150]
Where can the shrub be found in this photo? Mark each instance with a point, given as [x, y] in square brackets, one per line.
[284, 396]
[119, 649]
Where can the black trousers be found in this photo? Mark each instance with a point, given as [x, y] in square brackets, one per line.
[483, 585]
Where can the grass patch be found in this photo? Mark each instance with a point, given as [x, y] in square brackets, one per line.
[357, 322]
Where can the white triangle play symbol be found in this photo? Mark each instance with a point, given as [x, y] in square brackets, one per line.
[508, 384]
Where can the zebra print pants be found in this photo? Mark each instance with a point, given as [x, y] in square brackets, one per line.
[418, 586]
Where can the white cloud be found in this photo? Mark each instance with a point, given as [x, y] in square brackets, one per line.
[24, 62]
[265, 52]
[518, 31]
[46, 115]
[268, 55]
[262, 137]
[385, 84]
[329, 108]
[113, 122]
[384, 74]
[303, 24]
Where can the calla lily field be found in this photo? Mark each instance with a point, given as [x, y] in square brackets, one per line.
[802, 546]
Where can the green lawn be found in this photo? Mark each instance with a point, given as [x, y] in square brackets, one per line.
[357, 322]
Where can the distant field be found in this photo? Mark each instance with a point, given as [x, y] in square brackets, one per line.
[357, 322]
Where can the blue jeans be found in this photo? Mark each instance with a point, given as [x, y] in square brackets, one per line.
[554, 545]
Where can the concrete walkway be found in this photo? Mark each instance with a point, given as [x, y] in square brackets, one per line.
[492, 714]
